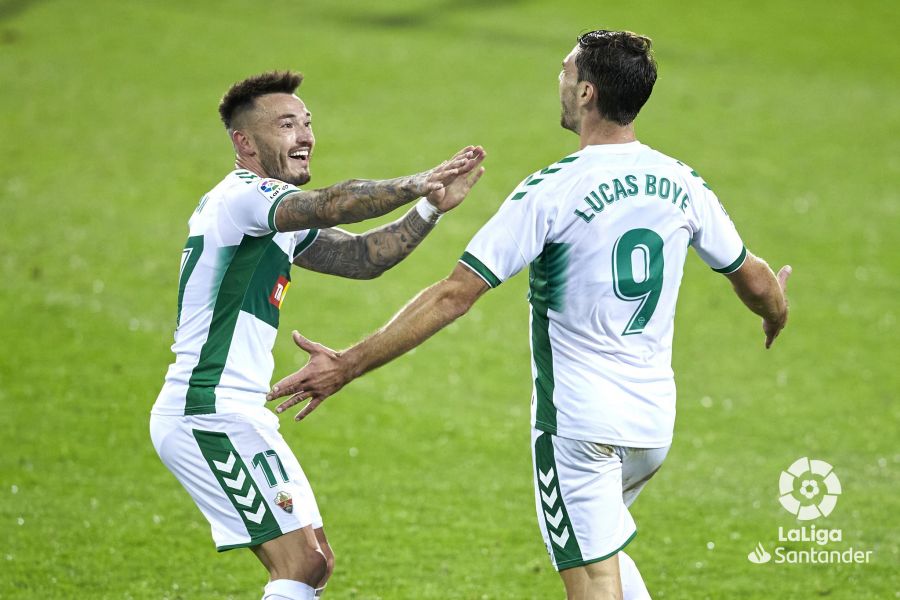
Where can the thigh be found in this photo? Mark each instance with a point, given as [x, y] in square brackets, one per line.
[578, 496]
[248, 491]
[638, 466]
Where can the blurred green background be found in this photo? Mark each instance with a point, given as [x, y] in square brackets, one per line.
[790, 111]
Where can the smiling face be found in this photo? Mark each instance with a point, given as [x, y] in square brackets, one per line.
[568, 83]
[279, 129]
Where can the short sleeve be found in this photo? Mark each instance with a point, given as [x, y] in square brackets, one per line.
[717, 240]
[253, 209]
[511, 239]
[303, 240]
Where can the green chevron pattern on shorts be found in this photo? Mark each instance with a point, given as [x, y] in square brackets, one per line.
[564, 546]
[237, 483]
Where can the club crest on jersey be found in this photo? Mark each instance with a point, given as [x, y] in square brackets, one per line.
[279, 291]
[284, 500]
[272, 188]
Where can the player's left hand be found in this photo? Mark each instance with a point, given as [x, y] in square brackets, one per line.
[773, 329]
[455, 191]
[323, 375]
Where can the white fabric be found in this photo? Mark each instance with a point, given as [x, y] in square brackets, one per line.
[633, 586]
[609, 385]
[595, 483]
[288, 589]
[428, 211]
[251, 433]
[237, 209]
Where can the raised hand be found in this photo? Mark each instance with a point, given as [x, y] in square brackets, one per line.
[450, 196]
[323, 375]
[772, 329]
[435, 179]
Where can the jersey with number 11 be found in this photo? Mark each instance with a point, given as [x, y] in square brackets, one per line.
[605, 232]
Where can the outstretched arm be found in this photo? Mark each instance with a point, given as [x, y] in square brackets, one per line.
[360, 199]
[763, 293]
[368, 255]
[328, 371]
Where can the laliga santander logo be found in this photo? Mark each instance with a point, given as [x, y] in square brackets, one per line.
[809, 489]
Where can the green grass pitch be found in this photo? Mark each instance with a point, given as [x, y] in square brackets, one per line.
[791, 111]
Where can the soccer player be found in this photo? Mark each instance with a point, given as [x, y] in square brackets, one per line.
[605, 231]
[209, 424]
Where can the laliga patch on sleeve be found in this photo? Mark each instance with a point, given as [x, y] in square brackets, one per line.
[272, 188]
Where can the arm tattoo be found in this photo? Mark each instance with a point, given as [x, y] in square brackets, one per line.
[347, 202]
[368, 255]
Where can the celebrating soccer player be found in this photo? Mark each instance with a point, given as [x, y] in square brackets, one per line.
[209, 424]
[605, 232]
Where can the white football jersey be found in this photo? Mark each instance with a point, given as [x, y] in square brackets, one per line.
[235, 272]
[605, 232]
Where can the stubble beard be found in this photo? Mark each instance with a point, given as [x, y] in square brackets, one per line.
[269, 162]
[567, 118]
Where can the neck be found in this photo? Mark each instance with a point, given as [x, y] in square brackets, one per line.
[595, 131]
[249, 163]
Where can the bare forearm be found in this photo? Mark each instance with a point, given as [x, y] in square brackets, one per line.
[347, 202]
[429, 312]
[368, 255]
[758, 288]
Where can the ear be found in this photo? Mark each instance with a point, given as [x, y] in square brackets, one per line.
[243, 143]
[587, 93]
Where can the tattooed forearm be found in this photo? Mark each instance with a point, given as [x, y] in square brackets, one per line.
[348, 202]
[368, 255]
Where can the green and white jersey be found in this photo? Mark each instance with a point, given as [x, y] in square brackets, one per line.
[235, 272]
[605, 232]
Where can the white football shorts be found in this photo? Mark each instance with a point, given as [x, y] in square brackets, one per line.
[240, 472]
[582, 492]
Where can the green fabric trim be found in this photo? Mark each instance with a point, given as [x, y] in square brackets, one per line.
[241, 264]
[229, 469]
[547, 277]
[518, 195]
[735, 265]
[255, 541]
[307, 241]
[569, 564]
[568, 159]
[545, 464]
[544, 383]
[273, 264]
[275, 204]
[194, 248]
[478, 266]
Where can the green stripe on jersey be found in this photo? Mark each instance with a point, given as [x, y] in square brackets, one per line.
[242, 261]
[547, 277]
[233, 475]
[190, 256]
[478, 266]
[566, 551]
[258, 299]
[547, 281]
[307, 241]
[544, 383]
[735, 265]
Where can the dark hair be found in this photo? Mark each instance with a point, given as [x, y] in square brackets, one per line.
[621, 66]
[241, 95]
